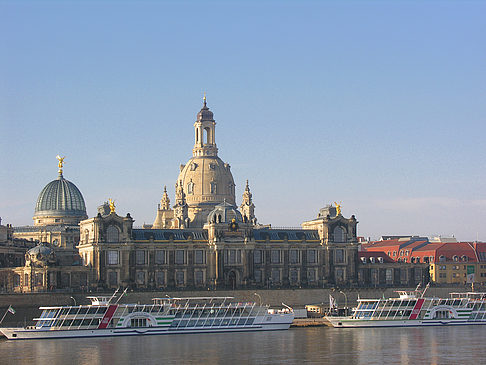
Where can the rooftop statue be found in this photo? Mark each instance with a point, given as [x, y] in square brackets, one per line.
[338, 208]
[61, 162]
[112, 205]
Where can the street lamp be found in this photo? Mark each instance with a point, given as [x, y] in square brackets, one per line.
[74, 301]
[258, 295]
[345, 301]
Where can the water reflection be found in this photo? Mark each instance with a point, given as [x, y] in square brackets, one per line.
[318, 345]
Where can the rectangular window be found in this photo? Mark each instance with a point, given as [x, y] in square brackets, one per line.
[275, 256]
[113, 258]
[374, 277]
[275, 275]
[389, 276]
[403, 276]
[179, 257]
[16, 280]
[160, 257]
[294, 276]
[180, 277]
[418, 274]
[233, 256]
[258, 276]
[112, 278]
[140, 257]
[199, 257]
[339, 256]
[140, 279]
[160, 278]
[294, 256]
[311, 256]
[311, 275]
[199, 277]
[257, 257]
[339, 275]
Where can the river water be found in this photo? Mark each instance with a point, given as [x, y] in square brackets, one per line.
[311, 345]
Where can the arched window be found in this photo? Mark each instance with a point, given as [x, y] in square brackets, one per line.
[455, 258]
[112, 234]
[190, 187]
[464, 258]
[213, 187]
[339, 234]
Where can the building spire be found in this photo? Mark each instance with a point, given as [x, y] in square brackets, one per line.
[247, 207]
[204, 99]
[165, 201]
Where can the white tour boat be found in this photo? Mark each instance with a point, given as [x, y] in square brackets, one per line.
[413, 309]
[163, 316]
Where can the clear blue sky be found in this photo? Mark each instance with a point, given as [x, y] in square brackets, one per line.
[378, 104]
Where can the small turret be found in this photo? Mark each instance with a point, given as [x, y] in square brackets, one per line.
[247, 207]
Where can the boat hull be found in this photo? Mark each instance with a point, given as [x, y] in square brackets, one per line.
[26, 334]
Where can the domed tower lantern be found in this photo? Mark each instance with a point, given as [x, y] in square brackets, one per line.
[204, 130]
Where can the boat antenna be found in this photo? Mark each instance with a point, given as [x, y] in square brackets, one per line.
[286, 306]
[122, 294]
[116, 291]
[425, 289]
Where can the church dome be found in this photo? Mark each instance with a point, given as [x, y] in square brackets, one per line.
[40, 255]
[59, 202]
[207, 181]
[224, 213]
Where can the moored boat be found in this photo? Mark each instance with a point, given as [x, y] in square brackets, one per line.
[162, 316]
[412, 309]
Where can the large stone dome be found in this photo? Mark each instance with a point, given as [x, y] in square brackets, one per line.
[59, 202]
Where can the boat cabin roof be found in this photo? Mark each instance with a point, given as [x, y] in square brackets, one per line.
[99, 300]
[469, 295]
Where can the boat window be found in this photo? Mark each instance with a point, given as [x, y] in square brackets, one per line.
[457, 302]
[174, 323]
[138, 322]
[92, 310]
[83, 310]
[76, 322]
[67, 323]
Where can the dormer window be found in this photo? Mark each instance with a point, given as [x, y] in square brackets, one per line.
[455, 258]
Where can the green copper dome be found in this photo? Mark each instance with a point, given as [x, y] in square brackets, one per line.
[60, 198]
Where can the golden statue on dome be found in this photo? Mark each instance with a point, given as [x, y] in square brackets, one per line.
[61, 162]
[112, 205]
[338, 208]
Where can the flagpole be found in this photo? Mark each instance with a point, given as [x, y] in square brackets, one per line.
[1, 320]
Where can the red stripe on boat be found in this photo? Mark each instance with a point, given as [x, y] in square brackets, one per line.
[416, 309]
[108, 316]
